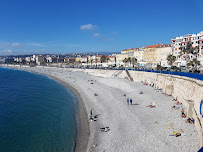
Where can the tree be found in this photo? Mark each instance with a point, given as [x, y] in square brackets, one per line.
[134, 60]
[194, 63]
[91, 62]
[158, 67]
[125, 61]
[189, 49]
[96, 60]
[103, 58]
[129, 60]
[107, 59]
[171, 59]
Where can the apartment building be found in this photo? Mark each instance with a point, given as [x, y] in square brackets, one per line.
[156, 54]
[161, 54]
[196, 40]
[149, 55]
[138, 54]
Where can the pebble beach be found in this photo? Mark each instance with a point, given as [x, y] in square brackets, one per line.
[132, 128]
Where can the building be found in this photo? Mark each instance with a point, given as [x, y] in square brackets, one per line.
[161, 54]
[78, 59]
[196, 40]
[138, 54]
[156, 54]
[84, 59]
[149, 55]
[28, 59]
[40, 60]
[111, 60]
[51, 59]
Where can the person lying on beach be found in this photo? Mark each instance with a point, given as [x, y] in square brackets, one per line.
[152, 105]
[92, 118]
[183, 115]
[176, 134]
[175, 107]
[105, 129]
[178, 103]
[190, 120]
[175, 99]
[141, 92]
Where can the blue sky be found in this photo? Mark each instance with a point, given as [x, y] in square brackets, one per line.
[68, 26]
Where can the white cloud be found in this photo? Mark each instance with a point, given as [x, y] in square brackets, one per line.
[33, 44]
[96, 34]
[6, 51]
[5, 44]
[86, 27]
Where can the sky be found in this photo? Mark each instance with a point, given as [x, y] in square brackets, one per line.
[77, 26]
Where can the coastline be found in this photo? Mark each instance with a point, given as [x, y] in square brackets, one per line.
[83, 131]
[132, 128]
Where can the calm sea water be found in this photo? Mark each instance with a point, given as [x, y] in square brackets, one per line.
[37, 114]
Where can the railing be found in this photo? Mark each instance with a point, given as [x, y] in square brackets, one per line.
[185, 74]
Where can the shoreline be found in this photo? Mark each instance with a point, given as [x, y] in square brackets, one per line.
[83, 130]
[82, 123]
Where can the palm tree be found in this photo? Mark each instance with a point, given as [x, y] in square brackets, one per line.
[96, 60]
[91, 62]
[129, 60]
[171, 59]
[158, 67]
[107, 59]
[125, 61]
[134, 60]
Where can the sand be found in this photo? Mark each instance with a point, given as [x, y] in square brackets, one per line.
[133, 128]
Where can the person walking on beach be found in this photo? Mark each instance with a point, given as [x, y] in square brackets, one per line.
[131, 101]
[128, 101]
[90, 112]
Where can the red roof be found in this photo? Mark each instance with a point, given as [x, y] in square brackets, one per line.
[157, 46]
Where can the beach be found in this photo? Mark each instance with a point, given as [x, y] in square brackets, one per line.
[133, 127]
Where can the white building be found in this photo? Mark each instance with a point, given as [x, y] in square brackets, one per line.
[51, 59]
[28, 59]
[195, 39]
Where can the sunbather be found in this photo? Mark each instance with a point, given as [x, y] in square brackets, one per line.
[183, 115]
[105, 129]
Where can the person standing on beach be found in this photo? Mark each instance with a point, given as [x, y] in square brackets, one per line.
[90, 112]
[128, 101]
[131, 101]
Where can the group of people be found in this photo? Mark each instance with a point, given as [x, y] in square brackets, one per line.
[183, 113]
[190, 120]
[92, 117]
[129, 101]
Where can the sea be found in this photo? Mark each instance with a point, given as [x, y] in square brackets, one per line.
[37, 114]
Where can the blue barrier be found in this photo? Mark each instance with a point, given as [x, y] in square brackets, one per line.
[185, 74]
